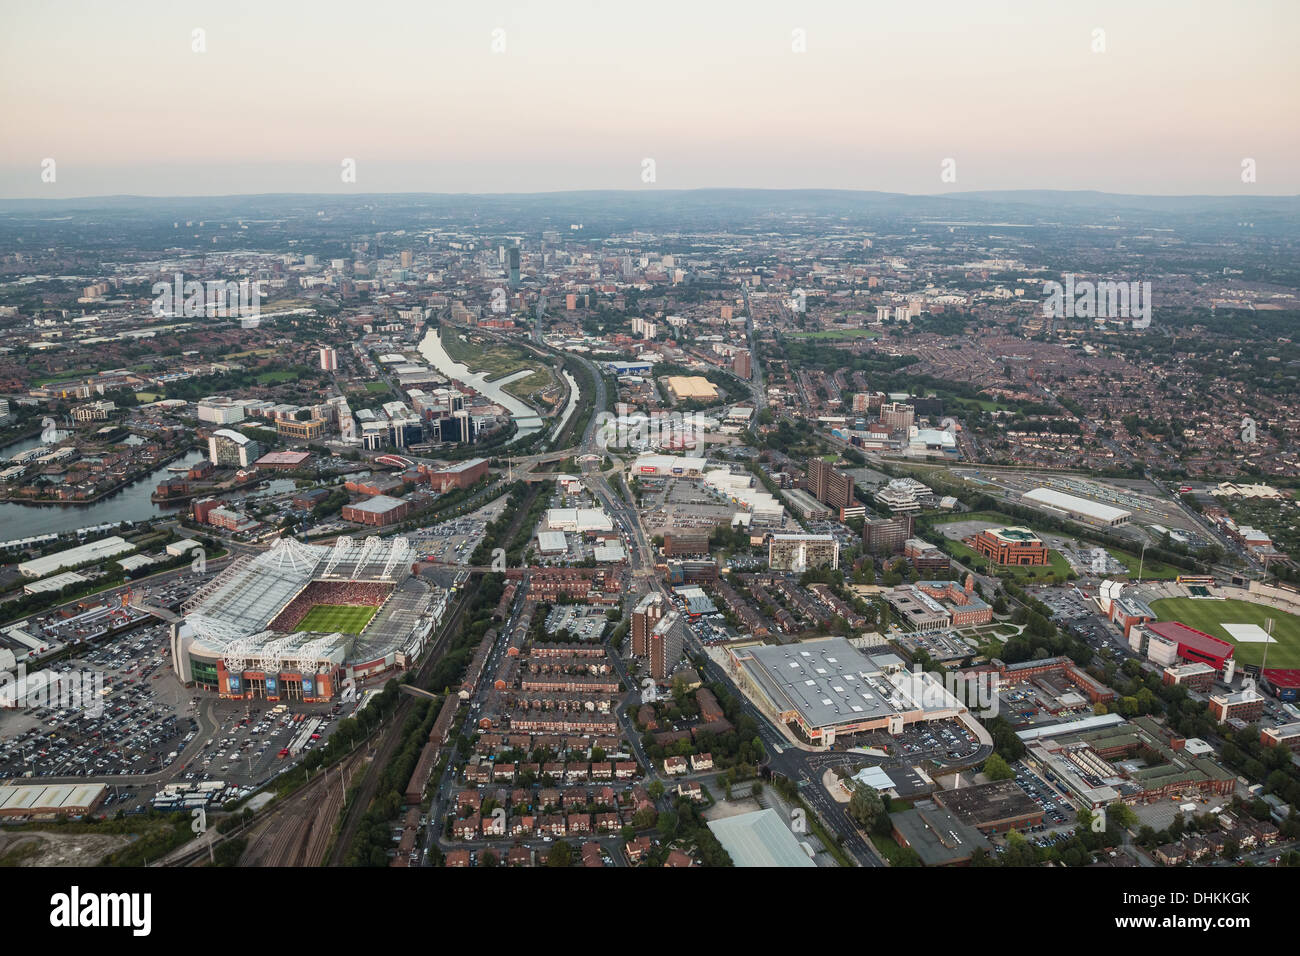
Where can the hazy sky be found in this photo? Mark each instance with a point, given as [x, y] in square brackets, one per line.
[713, 92]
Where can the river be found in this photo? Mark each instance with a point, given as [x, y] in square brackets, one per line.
[130, 504]
[526, 419]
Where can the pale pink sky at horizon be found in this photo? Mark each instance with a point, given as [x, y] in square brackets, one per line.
[585, 91]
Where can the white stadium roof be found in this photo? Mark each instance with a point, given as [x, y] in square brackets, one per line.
[237, 606]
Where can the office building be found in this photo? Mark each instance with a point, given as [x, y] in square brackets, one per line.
[1015, 547]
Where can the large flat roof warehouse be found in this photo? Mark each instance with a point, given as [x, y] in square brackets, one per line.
[1076, 507]
[282, 459]
[72, 557]
[580, 520]
[40, 798]
[828, 686]
[760, 838]
[551, 542]
[691, 386]
[378, 504]
[55, 582]
[457, 467]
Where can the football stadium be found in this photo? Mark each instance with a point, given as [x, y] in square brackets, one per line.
[298, 620]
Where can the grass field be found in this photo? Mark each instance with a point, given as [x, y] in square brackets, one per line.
[1208, 615]
[1152, 570]
[276, 378]
[957, 549]
[344, 618]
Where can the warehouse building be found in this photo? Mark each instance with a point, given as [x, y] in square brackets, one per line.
[826, 688]
[1080, 509]
[759, 838]
[378, 511]
[578, 520]
[66, 799]
[75, 557]
[684, 388]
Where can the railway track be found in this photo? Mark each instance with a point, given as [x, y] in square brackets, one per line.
[297, 831]
[390, 738]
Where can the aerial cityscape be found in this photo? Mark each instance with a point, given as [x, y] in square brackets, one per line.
[627, 521]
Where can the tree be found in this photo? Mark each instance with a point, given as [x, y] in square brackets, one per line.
[865, 806]
[561, 855]
[996, 768]
[1122, 814]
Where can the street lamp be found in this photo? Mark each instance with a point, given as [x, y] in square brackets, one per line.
[1141, 559]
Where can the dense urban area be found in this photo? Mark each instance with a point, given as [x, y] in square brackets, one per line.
[717, 528]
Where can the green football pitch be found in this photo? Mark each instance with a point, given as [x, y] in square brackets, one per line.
[344, 618]
[1209, 616]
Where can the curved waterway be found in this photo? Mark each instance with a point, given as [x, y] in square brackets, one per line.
[527, 420]
[128, 504]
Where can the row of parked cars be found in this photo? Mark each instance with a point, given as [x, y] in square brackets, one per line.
[119, 727]
[1042, 795]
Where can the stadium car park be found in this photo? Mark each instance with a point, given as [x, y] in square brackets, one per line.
[148, 726]
[138, 732]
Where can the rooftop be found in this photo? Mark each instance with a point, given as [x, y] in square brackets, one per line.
[760, 838]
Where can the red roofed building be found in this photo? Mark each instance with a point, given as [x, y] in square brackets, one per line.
[1194, 645]
[1284, 683]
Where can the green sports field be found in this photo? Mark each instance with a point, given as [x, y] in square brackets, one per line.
[1208, 615]
[344, 618]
